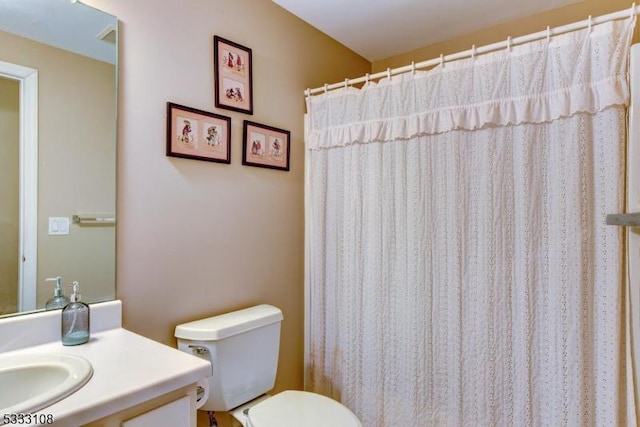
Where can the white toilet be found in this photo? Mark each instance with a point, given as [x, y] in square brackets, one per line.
[242, 347]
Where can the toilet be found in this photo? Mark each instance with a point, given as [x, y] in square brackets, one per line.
[243, 347]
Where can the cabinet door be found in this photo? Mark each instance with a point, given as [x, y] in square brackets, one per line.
[174, 414]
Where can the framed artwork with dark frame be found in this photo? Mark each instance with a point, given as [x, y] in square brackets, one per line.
[233, 79]
[197, 134]
[265, 146]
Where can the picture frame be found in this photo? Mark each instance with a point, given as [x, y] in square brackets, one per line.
[233, 76]
[265, 146]
[197, 134]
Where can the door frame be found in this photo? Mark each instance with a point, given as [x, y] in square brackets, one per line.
[28, 216]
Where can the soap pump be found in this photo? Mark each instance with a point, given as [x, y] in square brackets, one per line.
[75, 320]
[58, 300]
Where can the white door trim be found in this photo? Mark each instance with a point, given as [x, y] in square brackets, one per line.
[28, 262]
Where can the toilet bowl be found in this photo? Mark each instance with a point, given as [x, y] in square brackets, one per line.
[294, 408]
[242, 347]
[300, 409]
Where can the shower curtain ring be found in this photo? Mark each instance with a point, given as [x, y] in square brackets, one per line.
[590, 23]
[326, 88]
[389, 73]
[633, 10]
[346, 83]
[413, 68]
[442, 60]
[473, 51]
[509, 43]
[548, 34]
[366, 78]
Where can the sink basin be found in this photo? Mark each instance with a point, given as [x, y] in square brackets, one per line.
[32, 381]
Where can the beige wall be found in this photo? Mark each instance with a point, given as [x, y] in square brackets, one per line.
[520, 27]
[76, 163]
[196, 238]
[9, 207]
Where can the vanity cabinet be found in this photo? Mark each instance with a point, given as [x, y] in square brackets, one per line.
[135, 380]
[176, 409]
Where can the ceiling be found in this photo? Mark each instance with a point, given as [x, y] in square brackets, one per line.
[71, 26]
[378, 29]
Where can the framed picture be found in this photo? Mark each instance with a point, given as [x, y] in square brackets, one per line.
[232, 71]
[197, 134]
[265, 146]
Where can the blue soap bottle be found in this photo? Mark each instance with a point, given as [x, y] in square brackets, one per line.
[75, 320]
[58, 300]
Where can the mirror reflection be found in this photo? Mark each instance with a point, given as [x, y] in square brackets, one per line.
[58, 68]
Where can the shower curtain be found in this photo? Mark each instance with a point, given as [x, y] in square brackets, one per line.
[459, 272]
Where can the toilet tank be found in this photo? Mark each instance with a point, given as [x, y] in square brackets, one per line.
[242, 347]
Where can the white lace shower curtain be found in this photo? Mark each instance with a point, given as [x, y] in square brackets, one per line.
[459, 272]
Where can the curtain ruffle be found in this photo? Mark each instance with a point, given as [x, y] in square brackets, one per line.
[581, 71]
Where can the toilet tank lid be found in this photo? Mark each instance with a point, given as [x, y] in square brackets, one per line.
[229, 324]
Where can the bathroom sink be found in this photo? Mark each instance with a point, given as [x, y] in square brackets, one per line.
[32, 381]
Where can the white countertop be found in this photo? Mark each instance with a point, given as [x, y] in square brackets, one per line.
[128, 369]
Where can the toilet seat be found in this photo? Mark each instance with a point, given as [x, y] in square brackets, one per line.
[300, 409]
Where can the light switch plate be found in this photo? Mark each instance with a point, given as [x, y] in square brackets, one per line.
[58, 225]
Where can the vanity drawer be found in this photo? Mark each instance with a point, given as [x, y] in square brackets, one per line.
[175, 409]
[176, 413]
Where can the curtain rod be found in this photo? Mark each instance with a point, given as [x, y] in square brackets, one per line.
[587, 23]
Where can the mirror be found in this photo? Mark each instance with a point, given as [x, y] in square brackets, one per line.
[58, 72]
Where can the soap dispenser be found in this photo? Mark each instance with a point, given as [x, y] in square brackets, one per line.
[75, 320]
[58, 300]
